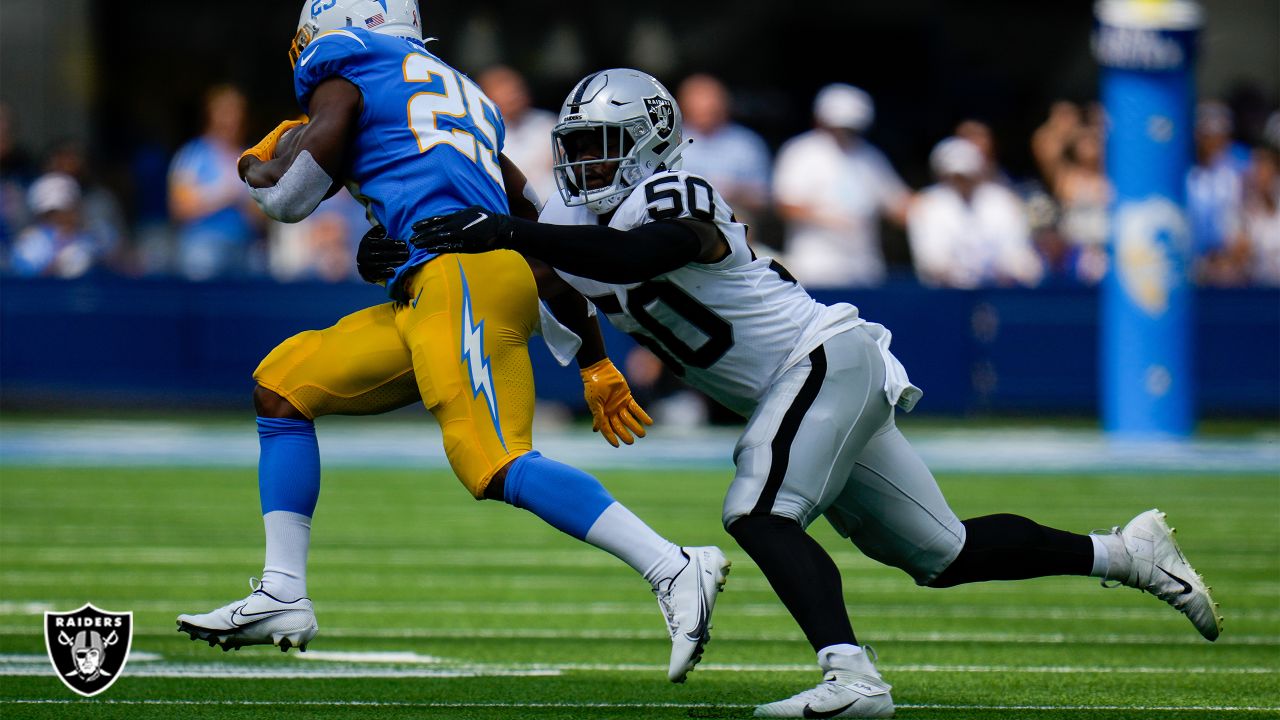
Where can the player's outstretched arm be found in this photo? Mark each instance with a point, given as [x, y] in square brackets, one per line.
[614, 412]
[591, 251]
[295, 167]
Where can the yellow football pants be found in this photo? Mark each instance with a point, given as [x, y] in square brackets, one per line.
[461, 345]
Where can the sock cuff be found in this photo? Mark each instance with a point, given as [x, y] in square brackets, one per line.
[285, 426]
[287, 518]
[842, 649]
[564, 496]
[1110, 557]
[830, 656]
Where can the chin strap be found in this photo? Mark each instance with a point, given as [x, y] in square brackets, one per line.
[672, 160]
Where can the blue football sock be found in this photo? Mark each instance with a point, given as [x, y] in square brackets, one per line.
[576, 503]
[289, 486]
[563, 496]
[288, 465]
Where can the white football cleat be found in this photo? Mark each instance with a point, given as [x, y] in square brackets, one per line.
[851, 688]
[1157, 566]
[260, 619]
[687, 601]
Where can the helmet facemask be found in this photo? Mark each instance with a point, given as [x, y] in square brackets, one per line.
[617, 128]
[596, 164]
[306, 33]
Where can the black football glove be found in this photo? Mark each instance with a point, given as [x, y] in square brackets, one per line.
[474, 230]
[379, 255]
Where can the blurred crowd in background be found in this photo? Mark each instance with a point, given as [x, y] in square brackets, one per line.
[827, 202]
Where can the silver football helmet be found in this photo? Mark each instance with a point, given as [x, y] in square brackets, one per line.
[388, 17]
[616, 128]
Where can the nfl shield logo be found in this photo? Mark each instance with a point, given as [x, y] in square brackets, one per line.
[88, 647]
[661, 115]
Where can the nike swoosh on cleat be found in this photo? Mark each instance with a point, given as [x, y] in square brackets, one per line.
[256, 616]
[700, 632]
[1186, 586]
[811, 713]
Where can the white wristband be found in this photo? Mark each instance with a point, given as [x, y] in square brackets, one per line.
[297, 192]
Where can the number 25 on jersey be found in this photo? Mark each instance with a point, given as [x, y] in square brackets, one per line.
[451, 110]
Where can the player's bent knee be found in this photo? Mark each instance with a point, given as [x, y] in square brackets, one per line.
[924, 560]
[752, 527]
[497, 487]
[483, 474]
[930, 568]
[732, 518]
[270, 404]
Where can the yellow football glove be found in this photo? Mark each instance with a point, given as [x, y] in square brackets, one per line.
[615, 413]
[266, 147]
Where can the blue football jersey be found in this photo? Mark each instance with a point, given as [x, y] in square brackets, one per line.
[428, 140]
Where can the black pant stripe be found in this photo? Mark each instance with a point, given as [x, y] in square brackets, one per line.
[787, 429]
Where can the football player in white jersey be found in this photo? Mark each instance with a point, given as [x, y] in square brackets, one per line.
[660, 253]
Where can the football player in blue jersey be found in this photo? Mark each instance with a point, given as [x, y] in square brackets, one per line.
[411, 137]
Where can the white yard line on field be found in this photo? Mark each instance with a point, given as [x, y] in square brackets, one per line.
[625, 706]
[888, 667]
[374, 664]
[642, 609]
[294, 671]
[1187, 638]
[42, 658]
[421, 558]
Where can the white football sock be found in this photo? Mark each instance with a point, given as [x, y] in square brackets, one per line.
[1110, 557]
[619, 532]
[843, 657]
[284, 576]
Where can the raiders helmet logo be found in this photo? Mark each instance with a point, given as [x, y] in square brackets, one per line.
[88, 647]
[661, 114]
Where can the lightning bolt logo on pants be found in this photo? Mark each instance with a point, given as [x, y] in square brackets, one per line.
[473, 353]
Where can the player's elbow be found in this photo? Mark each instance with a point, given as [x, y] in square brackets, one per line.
[296, 193]
[285, 213]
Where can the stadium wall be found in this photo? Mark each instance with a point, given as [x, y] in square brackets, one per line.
[106, 342]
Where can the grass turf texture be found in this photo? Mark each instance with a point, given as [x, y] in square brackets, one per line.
[406, 562]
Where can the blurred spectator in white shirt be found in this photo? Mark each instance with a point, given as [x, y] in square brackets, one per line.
[831, 188]
[734, 159]
[969, 231]
[56, 245]
[528, 142]
[100, 211]
[1261, 234]
[979, 133]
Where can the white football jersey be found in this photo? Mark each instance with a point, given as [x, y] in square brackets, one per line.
[729, 328]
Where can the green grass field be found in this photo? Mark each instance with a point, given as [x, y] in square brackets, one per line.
[432, 605]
